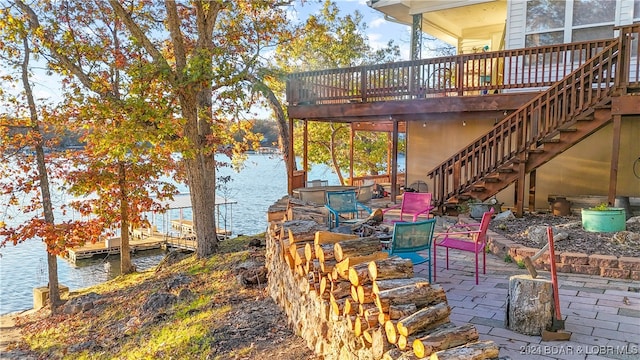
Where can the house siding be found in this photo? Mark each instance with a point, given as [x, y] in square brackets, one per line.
[581, 170]
[516, 15]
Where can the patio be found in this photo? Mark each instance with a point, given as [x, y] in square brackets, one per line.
[602, 314]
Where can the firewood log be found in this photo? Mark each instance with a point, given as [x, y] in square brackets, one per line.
[359, 326]
[383, 317]
[391, 332]
[378, 344]
[356, 247]
[397, 312]
[371, 316]
[328, 237]
[423, 319]
[343, 266]
[327, 266]
[366, 334]
[323, 285]
[444, 339]
[420, 294]
[391, 268]
[380, 285]
[381, 303]
[480, 350]
[359, 274]
[324, 252]
[402, 342]
[341, 289]
[364, 293]
[348, 308]
[309, 253]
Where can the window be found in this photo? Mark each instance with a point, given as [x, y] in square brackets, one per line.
[555, 22]
[587, 12]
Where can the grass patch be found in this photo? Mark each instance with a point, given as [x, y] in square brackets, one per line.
[508, 258]
[118, 328]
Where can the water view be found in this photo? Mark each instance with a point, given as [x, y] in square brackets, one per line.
[257, 186]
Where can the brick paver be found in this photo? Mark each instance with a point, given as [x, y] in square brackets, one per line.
[602, 314]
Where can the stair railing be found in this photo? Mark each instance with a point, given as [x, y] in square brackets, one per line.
[522, 131]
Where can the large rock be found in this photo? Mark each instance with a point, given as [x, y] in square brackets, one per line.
[81, 303]
[538, 233]
[158, 301]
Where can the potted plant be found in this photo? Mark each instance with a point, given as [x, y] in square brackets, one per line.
[603, 218]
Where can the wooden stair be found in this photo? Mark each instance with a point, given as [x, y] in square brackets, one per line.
[552, 122]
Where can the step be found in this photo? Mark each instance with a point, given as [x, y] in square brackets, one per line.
[492, 179]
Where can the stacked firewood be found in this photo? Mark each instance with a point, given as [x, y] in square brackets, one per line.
[348, 299]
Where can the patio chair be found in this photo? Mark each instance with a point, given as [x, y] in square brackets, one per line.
[469, 240]
[365, 192]
[411, 237]
[341, 203]
[413, 204]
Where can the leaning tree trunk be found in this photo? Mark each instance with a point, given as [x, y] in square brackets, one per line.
[52, 260]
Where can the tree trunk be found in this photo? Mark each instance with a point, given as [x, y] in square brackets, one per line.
[201, 174]
[125, 253]
[529, 304]
[47, 205]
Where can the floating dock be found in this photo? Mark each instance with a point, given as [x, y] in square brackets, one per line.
[175, 233]
[154, 240]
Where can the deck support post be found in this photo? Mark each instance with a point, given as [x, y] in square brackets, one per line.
[532, 191]
[351, 138]
[291, 160]
[394, 161]
[615, 155]
[305, 146]
[520, 185]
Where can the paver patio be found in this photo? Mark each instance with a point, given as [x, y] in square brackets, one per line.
[602, 314]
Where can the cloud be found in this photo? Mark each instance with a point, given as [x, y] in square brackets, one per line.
[377, 22]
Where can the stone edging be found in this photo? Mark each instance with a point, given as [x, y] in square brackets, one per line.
[568, 262]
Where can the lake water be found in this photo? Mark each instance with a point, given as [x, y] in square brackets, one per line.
[256, 187]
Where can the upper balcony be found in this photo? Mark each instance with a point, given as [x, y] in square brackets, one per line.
[506, 72]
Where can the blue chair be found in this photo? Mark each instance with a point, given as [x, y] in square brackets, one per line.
[411, 237]
[343, 202]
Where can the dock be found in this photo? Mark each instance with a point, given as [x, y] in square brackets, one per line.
[139, 242]
[174, 233]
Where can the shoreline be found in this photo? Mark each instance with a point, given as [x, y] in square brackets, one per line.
[9, 332]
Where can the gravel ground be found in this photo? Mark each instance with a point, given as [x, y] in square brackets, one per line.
[618, 244]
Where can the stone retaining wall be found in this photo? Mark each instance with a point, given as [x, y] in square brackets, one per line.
[568, 262]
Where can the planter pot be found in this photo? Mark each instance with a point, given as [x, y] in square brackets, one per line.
[478, 209]
[609, 220]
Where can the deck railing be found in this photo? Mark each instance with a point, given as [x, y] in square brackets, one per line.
[585, 87]
[466, 74]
